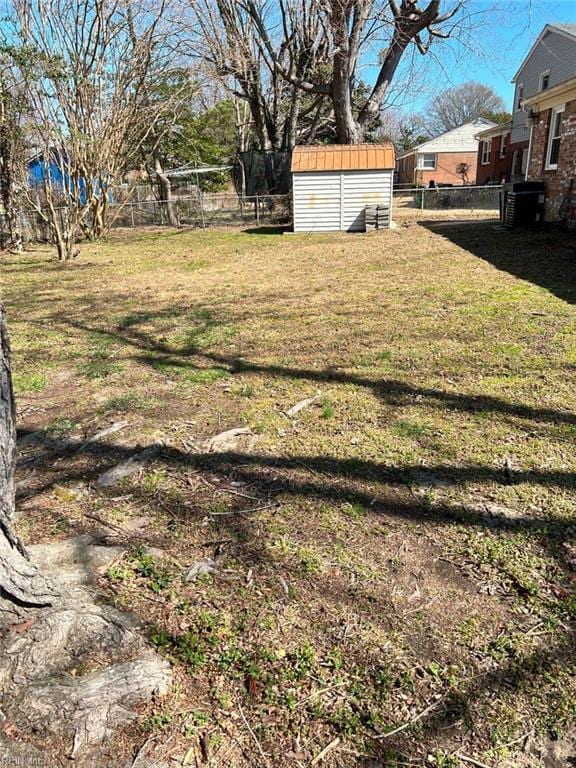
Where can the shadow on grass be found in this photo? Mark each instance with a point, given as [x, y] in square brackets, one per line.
[279, 478]
[332, 479]
[155, 353]
[383, 490]
[268, 230]
[545, 258]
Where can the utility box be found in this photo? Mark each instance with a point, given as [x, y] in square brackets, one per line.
[522, 204]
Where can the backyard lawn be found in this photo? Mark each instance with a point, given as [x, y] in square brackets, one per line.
[384, 577]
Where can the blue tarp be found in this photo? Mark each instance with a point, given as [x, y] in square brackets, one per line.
[39, 171]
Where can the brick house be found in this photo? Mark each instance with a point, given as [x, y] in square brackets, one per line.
[550, 61]
[552, 151]
[443, 158]
[494, 154]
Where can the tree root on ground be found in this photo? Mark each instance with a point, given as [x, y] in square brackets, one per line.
[73, 669]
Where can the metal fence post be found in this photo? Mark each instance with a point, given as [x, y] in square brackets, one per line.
[422, 200]
[257, 210]
[202, 217]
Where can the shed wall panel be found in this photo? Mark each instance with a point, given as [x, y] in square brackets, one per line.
[331, 201]
[361, 189]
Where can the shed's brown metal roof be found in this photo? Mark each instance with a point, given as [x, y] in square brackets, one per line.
[343, 157]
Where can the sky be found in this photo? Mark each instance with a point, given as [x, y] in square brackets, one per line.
[489, 49]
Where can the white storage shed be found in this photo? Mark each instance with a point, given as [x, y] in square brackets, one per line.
[333, 184]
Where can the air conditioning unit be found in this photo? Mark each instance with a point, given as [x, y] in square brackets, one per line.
[522, 204]
[567, 210]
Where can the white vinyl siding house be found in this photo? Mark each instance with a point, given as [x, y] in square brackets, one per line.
[551, 61]
[330, 193]
[438, 159]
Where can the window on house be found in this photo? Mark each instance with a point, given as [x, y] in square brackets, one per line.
[502, 147]
[428, 161]
[554, 138]
[544, 80]
[486, 152]
[519, 96]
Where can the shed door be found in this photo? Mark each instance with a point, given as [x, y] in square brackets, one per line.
[316, 201]
[362, 188]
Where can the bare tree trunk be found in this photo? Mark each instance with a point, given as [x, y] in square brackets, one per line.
[347, 130]
[62, 626]
[8, 194]
[373, 104]
[21, 586]
[165, 189]
[62, 225]
[290, 135]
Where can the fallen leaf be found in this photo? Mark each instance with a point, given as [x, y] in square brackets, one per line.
[22, 626]
[10, 730]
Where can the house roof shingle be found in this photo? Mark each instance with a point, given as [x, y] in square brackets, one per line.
[460, 139]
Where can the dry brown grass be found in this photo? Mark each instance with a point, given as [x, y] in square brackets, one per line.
[413, 527]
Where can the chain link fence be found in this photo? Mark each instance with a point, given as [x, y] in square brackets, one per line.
[209, 210]
[446, 201]
[198, 209]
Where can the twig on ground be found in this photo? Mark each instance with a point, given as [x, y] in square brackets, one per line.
[301, 405]
[328, 748]
[309, 468]
[321, 692]
[534, 629]
[284, 585]
[471, 760]
[140, 751]
[510, 743]
[102, 521]
[205, 746]
[245, 511]
[116, 427]
[415, 719]
[226, 489]
[247, 724]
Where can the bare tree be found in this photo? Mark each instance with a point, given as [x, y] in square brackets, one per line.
[463, 104]
[345, 31]
[87, 84]
[11, 186]
[463, 169]
[261, 55]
